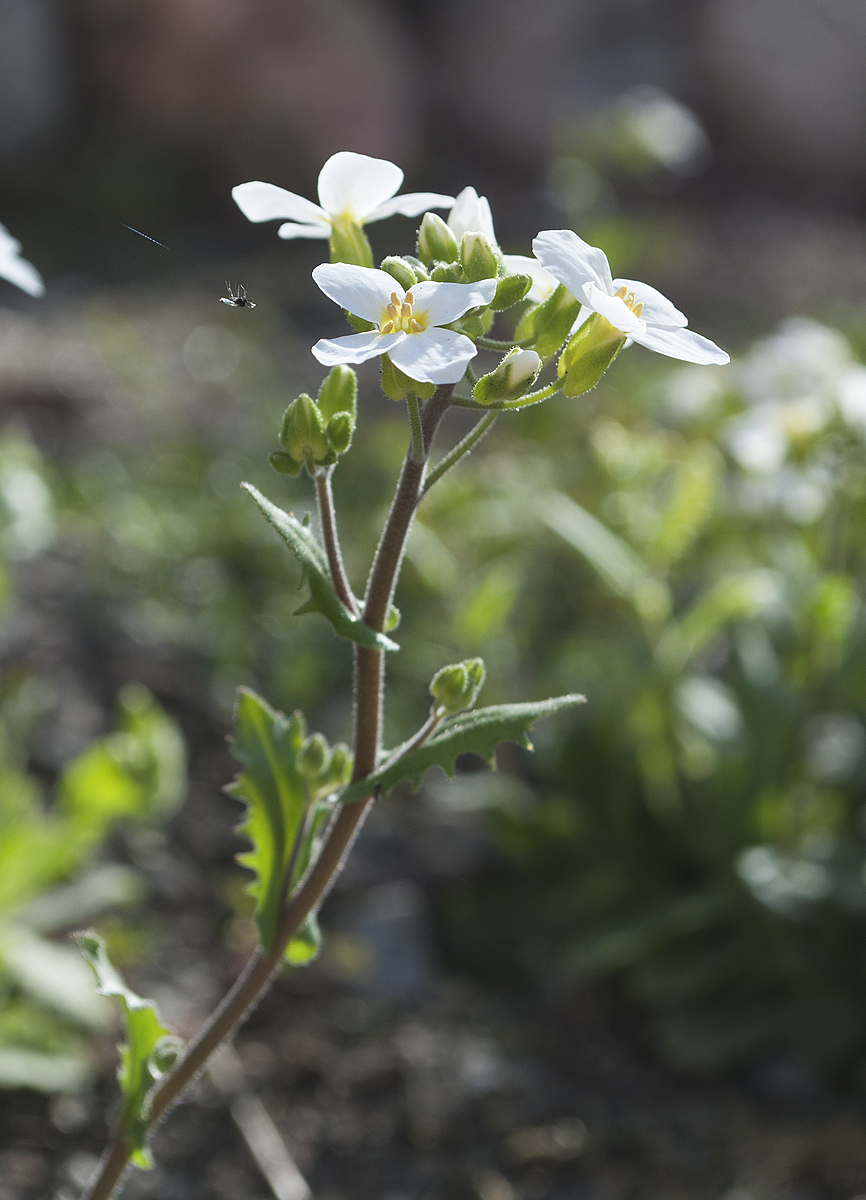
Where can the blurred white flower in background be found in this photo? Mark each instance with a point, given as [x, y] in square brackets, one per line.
[17, 269]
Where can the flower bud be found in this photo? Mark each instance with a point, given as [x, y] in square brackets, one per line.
[284, 463]
[165, 1054]
[509, 291]
[436, 241]
[445, 274]
[303, 432]
[588, 355]
[338, 393]
[339, 768]
[339, 431]
[478, 258]
[513, 377]
[554, 319]
[400, 270]
[421, 272]
[312, 756]
[457, 686]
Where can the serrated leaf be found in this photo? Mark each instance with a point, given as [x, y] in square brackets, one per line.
[477, 732]
[317, 576]
[144, 1030]
[276, 793]
[306, 944]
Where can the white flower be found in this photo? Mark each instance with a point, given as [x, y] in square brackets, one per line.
[634, 308]
[17, 269]
[471, 214]
[408, 323]
[353, 188]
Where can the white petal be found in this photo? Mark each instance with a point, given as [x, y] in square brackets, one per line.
[292, 229]
[355, 348]
[266, 202]
[657, 309]
[16, 269]
[434, 356]
[682, 344]
[612, 308]
[442, 303]
[471, 214]
[357, 184]
[573, 261]
[543, 283]
[363, 291]
[410, 204]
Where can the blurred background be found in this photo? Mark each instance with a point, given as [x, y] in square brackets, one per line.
[632, 964]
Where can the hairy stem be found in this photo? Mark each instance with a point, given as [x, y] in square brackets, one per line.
[472, 438]
[328, 521]
[487, 343]
[369, 673]
[509, 405]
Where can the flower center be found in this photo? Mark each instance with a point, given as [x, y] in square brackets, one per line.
[630, 300]
[398, 317]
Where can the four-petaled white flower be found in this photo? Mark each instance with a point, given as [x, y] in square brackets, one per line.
[408, 323]
[636, 309]
[17, 269]
[471, 214]
[353, 189]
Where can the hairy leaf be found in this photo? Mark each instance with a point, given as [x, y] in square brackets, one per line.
[144, 1035]
[477, 732]
[277, 797]
[316, 574]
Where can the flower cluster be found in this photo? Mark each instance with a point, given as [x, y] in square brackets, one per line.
[427, 315]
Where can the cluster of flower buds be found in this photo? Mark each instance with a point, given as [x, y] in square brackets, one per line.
[325, 768]
[456, 687]
[316, 432]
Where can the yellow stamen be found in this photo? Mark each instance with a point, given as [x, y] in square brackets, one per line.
[398, 318]
[392, 311]
[415, 326]
[620, 292]
[637, 309]
[395, 299]
[388, 327]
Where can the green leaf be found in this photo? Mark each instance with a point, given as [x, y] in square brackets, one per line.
[316, 574]
[277, 797]
[476, 732]
[306, 944]
[144, 1033]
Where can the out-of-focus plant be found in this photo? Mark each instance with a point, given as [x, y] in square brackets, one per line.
[704, 841]
[425, 317]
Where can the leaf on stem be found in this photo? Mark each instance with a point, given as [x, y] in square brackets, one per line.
[316, 574]
[477, 732]
[280, 808]
[148, 1051]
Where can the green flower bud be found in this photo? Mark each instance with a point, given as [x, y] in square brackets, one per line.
[284, 463]
[445, 274]
[513, 377]
[436, 241]
[338, 393]
[421, 272]
[165, 1054]
[349, 243]
[303, 432]
[588, 355]
[312, 756]
[479, 259]
[339, 430]
[510, 290]
[554, 319]
[400, 270]
[457, 686]
[472, 325]
[339, 769]
[393, 618]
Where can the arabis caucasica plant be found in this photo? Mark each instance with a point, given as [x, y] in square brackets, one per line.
[427, 316]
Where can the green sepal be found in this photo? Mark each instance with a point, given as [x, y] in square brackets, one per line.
[349, 244]
[397, 385]
[323, 597]
[306, 945]
[275, 790]
[436, 240]
[477, 732]
[359, 324]
[284, 464]
[338, 393]
[445, 273]
[554, 319]
[399, 270]
[510, 290]
[148, 1051]
[589, 353]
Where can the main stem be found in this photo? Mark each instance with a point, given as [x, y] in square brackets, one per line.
[369, 678]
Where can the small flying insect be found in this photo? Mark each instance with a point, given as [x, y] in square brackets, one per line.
[238, 299]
